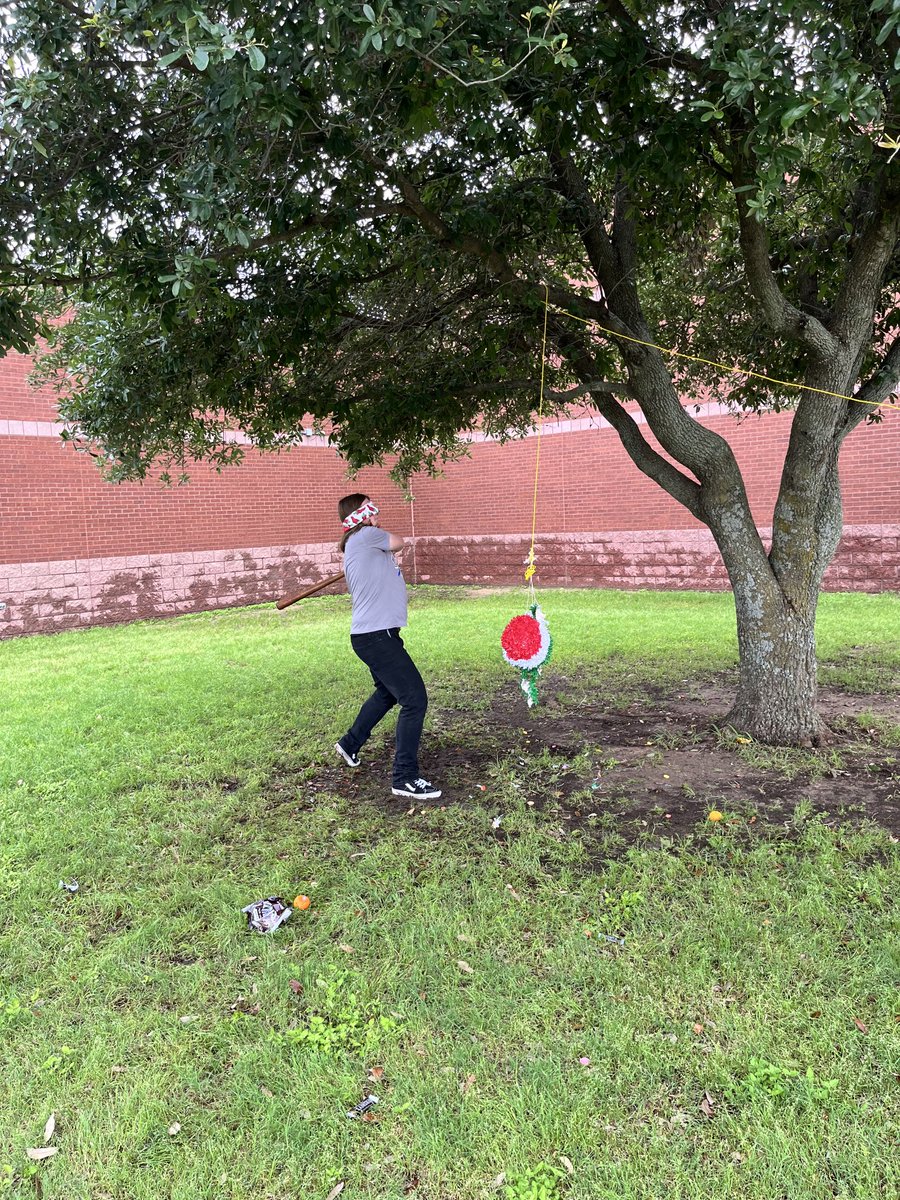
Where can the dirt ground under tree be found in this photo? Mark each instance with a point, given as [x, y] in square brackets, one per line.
[646, 768]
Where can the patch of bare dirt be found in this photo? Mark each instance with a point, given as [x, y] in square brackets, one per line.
[651, 769]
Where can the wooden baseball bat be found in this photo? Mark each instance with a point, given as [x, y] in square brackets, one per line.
[310, 591]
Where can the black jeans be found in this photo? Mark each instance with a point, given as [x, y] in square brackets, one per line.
[397, 681]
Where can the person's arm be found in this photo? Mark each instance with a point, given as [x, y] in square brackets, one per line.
[395, 543]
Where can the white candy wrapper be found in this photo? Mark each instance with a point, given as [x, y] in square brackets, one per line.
[265, 916]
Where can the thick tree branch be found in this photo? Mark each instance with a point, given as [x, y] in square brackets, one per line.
[864, 278]
[679, 486]
[782, 317]
[591, 227]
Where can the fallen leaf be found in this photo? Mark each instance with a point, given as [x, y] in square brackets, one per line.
[860, 1025]
[567, 1163]
[464, 966]
[346, 949]
[737, 1158]
[296, 986]
[336, 1191]
[816, 1014]
[49, 1127]
[174, 1128]
[512, 891]
[188, 1020]
[118, 1070]
[499, 1181]
[698, 1028]
[265, 1091]
[376, 1073]
[708, 1105]
[466, 1083]
[41, 1152]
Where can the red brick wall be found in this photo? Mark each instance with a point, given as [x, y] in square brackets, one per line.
[75, 550]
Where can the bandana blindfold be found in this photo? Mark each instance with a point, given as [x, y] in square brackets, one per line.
[363, 513]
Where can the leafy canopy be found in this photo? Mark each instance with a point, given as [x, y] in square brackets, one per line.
[266, 211]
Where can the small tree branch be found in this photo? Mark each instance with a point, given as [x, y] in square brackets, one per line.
[497, 264]
[882, 384]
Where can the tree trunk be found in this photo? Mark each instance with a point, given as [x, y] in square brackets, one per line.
[777, 692]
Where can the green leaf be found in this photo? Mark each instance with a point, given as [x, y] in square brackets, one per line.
[256, 57]
[377, 41]
[201, 58]
[794, 114]
[369, 13]
[168, 59]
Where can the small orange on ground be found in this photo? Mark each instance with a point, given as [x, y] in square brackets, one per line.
[715, 815]
[301, 902]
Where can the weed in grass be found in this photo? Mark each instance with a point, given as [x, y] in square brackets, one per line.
[620, 908]
[56, 1062]
[769, 1080]
[338, 1022]
[543, 1182]
[12, 1009]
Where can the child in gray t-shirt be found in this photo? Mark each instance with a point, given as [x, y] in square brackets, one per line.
[378, 592]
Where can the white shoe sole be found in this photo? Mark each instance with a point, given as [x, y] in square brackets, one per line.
[435, 794]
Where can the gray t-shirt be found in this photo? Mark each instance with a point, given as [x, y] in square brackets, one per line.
[376, 583]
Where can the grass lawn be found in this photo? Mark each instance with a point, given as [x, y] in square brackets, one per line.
[604, 997]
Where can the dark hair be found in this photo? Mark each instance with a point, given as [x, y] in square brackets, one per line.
[347, 505]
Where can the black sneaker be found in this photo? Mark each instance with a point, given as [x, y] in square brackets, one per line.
[419, 789]
[352, 760]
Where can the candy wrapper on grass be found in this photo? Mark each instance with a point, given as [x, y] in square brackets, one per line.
[527, 645]
[265, 916]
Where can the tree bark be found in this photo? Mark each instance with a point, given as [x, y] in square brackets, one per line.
[777, 694]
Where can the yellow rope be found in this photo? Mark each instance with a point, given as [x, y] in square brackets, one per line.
[724, 366]
[530, 567]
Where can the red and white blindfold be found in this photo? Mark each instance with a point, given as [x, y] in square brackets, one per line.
[363, 513]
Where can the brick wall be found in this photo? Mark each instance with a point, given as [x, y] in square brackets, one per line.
[75, 550]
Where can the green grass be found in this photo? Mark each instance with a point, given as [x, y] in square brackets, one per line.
[166, 767]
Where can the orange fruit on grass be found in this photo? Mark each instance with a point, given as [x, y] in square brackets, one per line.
[302, 902]
[714, 816]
